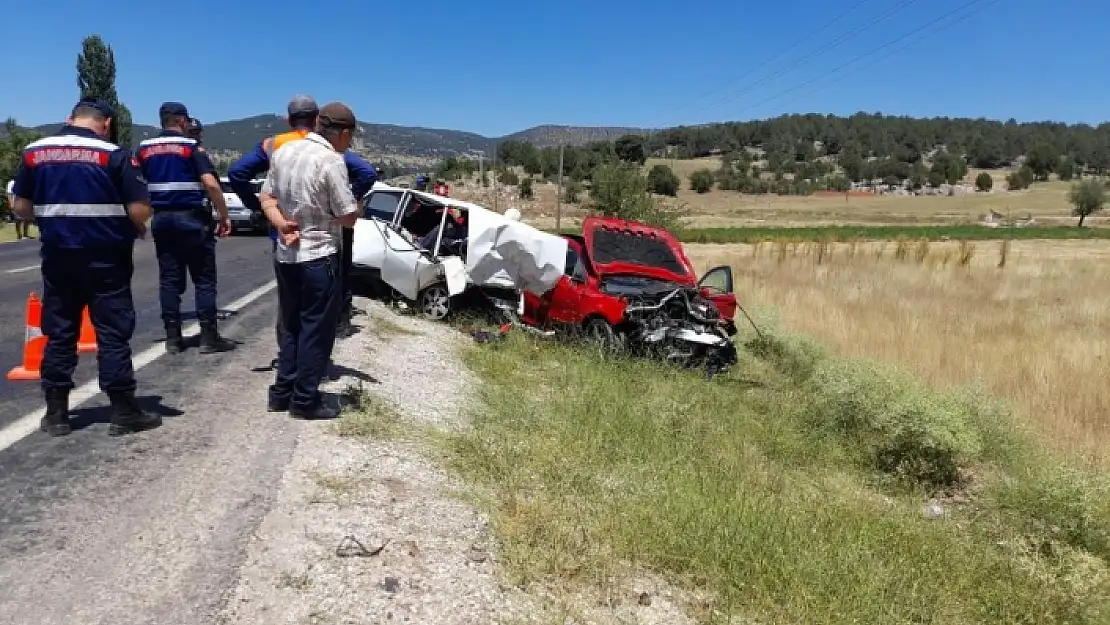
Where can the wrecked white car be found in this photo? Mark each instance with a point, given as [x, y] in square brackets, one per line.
[433, 250]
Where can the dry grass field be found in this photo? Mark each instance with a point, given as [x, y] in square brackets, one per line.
[1035, 332]
[1046, 202]
[813, 483]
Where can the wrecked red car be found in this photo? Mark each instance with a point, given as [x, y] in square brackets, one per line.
[627, 285]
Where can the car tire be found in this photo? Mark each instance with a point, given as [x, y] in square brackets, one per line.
[434, 302]
[597, 332]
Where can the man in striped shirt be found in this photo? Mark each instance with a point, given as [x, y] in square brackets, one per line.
[308, 199]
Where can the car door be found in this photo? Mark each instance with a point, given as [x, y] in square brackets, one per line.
[537, 308]
[716, 285]
[563, 301]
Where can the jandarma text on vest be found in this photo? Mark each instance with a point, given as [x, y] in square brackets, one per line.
[176, 149]
[39, 156]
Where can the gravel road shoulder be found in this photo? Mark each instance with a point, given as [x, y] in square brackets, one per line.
[370, 530]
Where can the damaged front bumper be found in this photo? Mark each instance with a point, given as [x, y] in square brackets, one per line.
[710, 349]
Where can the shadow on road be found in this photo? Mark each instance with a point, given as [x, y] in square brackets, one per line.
[337, 371]
[82, 418]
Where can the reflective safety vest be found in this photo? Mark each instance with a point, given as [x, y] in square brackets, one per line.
[76, 197]
[167, 164]
[271, 144]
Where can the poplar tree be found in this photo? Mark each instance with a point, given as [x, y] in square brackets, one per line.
[96, 78]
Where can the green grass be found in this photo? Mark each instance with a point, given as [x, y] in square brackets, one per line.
[7, 232]
[790, 490]
[368, 416]
[880, 233]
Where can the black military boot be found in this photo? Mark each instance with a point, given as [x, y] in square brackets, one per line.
[56, 420]
[319, 412]
[345, 328]
[174, 343]
[211, 342]
[127, 416]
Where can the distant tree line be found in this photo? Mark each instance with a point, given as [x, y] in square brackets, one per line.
[798, 154]
[986, 144]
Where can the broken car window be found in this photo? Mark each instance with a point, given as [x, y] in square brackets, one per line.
[382, 204]
[574, 266]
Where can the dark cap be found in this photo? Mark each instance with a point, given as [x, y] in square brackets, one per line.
[302, 105]
[173, 108]
[194, 124]
[94, 103]
[337, 115]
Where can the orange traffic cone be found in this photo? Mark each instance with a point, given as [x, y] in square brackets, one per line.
[86, 341]
[34, 343]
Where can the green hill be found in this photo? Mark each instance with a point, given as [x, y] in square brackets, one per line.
[240, 135]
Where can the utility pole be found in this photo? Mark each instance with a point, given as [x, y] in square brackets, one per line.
[559, 196]
[496, 183]
[481, 171]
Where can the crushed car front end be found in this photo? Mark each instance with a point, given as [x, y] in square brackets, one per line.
[672, 322]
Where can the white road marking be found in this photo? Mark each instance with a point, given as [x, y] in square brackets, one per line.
[22, 269]
[29, 423]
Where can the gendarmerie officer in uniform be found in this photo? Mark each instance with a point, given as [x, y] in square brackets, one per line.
[196, 132]
[179, 175]
[90, 201]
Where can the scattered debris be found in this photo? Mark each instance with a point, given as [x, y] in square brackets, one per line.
[478, 553]
[932, 510]
[351, 547]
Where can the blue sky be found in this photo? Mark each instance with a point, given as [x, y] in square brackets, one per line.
[496, 67]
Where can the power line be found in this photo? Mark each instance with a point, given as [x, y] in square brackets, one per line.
[860, 57]
[825, 48]
[778, 54]
[911, 42]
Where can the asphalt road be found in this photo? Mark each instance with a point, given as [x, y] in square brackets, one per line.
[244, 265]
[148, 528]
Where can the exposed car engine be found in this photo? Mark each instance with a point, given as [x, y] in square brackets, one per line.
[674, 323]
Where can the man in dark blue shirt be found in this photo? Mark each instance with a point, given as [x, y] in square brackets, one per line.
[90, 201]
[302, 112]
[180, 175]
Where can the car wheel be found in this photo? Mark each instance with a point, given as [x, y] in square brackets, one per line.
[598, 333]
[435, 302]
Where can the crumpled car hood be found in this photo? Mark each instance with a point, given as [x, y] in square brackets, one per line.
[619, 247]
